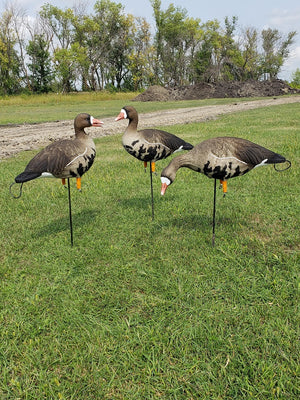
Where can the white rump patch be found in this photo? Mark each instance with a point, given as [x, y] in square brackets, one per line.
[179, 149]
[264, 162]
[165, 180]
[47, 175]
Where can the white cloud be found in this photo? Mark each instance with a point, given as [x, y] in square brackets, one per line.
[285, 19]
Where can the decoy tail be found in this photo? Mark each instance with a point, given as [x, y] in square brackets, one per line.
[26, 176]
[187, 146]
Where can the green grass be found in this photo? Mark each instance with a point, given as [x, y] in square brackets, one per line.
[150, 310]
[52, 107]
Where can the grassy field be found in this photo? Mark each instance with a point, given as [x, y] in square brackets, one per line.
[51, 107]
[142, 309]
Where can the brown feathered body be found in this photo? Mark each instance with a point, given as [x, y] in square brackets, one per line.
[66, 158]
[148, 144]
[222, 158]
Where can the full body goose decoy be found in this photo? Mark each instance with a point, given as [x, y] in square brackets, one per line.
[64, 159]
[148, 145]
[221, 158]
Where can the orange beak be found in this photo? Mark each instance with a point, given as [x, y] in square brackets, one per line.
[163, 188]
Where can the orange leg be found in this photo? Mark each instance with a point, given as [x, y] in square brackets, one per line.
[224, 186]
[78, 183]
[153, 166]
[63, 181]
[145, 165]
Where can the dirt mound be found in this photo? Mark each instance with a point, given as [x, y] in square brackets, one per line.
[217, 90]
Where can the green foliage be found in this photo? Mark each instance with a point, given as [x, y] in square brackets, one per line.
[149, 310]
[276, 50]
[9, 60]
[40, 65]
[296, 79]
[111, 49]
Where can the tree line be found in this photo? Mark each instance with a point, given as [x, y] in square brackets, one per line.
[70, 49]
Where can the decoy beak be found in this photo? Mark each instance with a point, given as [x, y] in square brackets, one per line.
[97, 122]
[120, 116]
[163, 188]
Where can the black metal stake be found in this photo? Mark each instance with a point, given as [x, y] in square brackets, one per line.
[214, 213]
[70, 212]
[151, 181]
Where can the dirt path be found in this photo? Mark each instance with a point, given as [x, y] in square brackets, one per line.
[15, 139]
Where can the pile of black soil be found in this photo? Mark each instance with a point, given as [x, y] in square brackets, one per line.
[218, 90]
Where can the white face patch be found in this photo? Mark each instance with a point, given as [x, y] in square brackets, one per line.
[165, 180]
[92, 120]
[124, 112]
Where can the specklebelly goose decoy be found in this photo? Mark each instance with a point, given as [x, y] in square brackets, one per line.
[148, 145]
[65, 158]
[221, 158]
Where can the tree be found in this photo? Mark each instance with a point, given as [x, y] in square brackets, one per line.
[249, 49]
[10, 80]
[40, 66]
[61, 24]
[231, 57]
[110, 38]
[207, 60]
[276, 49]
[140, 65]
[175, 42]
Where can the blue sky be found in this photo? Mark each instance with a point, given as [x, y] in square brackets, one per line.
[279, 14]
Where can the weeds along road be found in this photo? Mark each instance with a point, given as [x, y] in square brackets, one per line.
[17, 138]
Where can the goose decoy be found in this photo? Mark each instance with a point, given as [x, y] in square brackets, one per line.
[148, 145]
[65, 158]
[221, 158]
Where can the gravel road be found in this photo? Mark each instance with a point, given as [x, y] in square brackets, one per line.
[14, 139]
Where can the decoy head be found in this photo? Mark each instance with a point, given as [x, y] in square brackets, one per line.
[84, 120]
[166, 180]
[168, 175]
[127, 112]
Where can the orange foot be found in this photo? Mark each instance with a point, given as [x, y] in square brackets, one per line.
[152, 166]
[78, 183]
[224, 186]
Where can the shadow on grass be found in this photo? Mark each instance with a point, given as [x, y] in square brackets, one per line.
[85, 217]
[140, 202]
